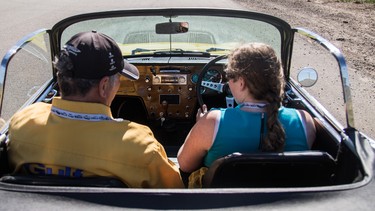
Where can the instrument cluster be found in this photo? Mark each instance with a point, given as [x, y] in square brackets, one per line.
[168, 91]
[165, 91]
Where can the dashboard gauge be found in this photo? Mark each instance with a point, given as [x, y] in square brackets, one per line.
[156, 80]
[212, 75]
[182, 80]
[194, 78]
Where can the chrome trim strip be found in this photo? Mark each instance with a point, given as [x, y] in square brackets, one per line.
[9, 55]
[343, 71]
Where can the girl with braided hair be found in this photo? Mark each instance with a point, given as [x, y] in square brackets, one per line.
[258, 123]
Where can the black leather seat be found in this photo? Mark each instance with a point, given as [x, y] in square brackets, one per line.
[288, 169]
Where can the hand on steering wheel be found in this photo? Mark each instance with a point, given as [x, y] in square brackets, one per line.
[201, 112]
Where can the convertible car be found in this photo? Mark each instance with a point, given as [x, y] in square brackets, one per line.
[181, 54]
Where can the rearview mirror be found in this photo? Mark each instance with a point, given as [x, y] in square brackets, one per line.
[172, 27]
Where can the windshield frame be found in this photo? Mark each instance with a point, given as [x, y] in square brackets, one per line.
[286, 32]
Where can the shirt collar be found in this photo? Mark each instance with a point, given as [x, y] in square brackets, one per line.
[81, 107]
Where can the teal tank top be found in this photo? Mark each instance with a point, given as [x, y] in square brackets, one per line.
[239, 131]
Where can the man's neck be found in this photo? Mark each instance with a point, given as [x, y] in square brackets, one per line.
[86, 98]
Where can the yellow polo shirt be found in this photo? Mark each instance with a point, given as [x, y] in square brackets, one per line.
[82, 139]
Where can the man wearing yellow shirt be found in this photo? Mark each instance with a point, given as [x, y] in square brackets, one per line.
[77, 136]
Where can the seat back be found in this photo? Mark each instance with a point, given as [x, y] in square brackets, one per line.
[288, 169]
[4, 164]
[53, 180]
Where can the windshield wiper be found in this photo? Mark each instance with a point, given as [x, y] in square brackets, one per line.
[142, 50]
[217, 49]
[179, 51]
[175, 51]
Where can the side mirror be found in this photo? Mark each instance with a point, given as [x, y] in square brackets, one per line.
[307, 77]
[172, 28]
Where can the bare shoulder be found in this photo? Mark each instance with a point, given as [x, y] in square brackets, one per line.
[310, 129]
[209, 119]
[306, 116]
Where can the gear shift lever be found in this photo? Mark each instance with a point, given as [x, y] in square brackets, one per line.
[163, 115]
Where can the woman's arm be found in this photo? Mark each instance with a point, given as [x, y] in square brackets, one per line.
[199, 140]
[310, 129]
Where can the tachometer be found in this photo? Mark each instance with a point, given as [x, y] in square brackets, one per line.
[194, 78]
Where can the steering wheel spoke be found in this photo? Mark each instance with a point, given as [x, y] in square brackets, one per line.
[220, 87]
[214, 86]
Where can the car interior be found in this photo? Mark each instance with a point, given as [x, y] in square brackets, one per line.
[166, 98]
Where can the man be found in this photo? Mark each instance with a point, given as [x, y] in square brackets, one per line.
[77, 136]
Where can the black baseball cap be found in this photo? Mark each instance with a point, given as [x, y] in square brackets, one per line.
[95, 55]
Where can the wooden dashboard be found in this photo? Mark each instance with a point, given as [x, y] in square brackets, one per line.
[166, 91]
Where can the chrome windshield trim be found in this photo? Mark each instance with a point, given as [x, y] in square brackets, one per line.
[9, 55]
[343, 71]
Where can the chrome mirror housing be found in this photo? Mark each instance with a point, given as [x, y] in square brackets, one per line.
[307, 77]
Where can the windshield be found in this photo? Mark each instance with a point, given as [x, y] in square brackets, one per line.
[27, 69]
[215, 35]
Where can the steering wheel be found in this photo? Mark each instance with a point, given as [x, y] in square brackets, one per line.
[221, 87]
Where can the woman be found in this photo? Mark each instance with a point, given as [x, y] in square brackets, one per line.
[258, 123]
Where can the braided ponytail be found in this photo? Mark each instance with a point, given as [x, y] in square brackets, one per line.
[258, 64]
[275, 138]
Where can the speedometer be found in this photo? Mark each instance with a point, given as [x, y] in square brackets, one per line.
[212, 75]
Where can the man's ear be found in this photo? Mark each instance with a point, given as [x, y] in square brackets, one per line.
[242, 82]
[103, 87]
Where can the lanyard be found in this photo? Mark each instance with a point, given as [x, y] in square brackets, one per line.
[80, 116]
[257, 106]
[261, 132]
[253, 105]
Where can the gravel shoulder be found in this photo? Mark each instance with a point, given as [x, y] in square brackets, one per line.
[351, 28]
